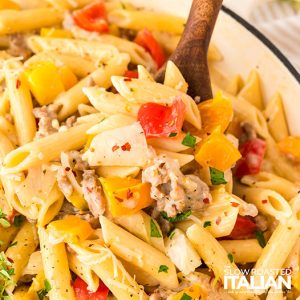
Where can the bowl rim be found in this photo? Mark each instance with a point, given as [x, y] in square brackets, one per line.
[285, 61]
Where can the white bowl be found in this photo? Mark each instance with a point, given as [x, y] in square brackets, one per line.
[244, 48]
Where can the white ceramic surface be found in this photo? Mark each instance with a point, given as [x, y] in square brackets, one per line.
[242, 52]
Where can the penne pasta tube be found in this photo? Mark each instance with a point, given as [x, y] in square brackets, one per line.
[110, 270]
[12, 21]
[21, 106]
[280, 244]
[139, 253]
[174, 78]
[56, 268]
[140, 19]
[7, 235]
[102, 77]
[138, 55]
[243, 251]
[37, 152]
[84, 272]
[116, 171]
[267, 201]
[273, 182]
[29, 4]
[143, 91]
[25, 242]
[216, 258]
[99, 52]
[144, 74]
[67, 4]
[110, 103]
[183, 159]
[167, 40]
[144, 227]
[9, 130]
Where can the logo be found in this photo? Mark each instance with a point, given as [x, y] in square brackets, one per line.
[258, 281]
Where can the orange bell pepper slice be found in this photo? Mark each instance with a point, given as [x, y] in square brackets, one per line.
[290, 145]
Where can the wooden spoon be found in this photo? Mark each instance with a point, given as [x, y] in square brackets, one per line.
[190, 55]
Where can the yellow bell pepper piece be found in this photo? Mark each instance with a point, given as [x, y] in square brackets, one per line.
[44, 81]
[72, 229]
[68, 78]
[216, 113]
[8, 4]
[126, 195]
[55, 33]
[290, 145]
[194, 292]
[217, 151]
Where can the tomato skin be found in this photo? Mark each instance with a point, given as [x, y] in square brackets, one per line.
[160, 121]
[131, 74]
[82, 293]
[252, 152]
[244, 228]
[146, 40]
[92, 17]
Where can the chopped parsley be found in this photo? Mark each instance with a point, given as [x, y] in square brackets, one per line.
[189, 140]
[6, 271]
[163, 268]
[216, 176]
[207, 224]
[44, 292]
[154, 231]
[18, 220]
[230, 257]
[260, 238]
[13, 244]
[179, 217]
[171, 234]
[185, 297]
[3, 220]
[172, 134]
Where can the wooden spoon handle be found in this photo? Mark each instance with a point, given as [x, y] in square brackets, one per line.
[191, 53]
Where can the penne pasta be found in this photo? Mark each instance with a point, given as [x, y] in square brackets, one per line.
[12, 21]
[56, 268]
[36, 152]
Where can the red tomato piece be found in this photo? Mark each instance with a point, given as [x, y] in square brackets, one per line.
[131, 74]
[92, 17]
[82, 293]
[244, 228]
[145, 39]
[252, 152]
[159, 120]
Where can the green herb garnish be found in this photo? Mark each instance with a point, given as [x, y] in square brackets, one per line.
[5, 275]
[3, 220]
[163, 268]
[216, 176]
[185, 297]
[13, 244]
[44, 292]
[172, 134]
[230, 257]
[260, 238]
[207, 224]
[171, 234]
[18, 220]
[179, 217]
[154, 231]
[189, 140]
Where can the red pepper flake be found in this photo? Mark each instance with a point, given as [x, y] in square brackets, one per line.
[218, 220]
[234, 204]
[67, 169]
[10, 260]
[18, 83]
[89, 189]
[264, 201]
[206, 200]
[115, 148]
[119, 199]
[127, 79]
[126, 147]
[129, 194]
